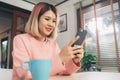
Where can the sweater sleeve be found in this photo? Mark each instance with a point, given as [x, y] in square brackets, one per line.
[20, 54]
[63, 68]
[70, 68]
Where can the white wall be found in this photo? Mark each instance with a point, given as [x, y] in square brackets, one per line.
[19, 3]
[70, 8]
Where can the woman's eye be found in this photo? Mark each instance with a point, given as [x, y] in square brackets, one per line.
[47, 19]
[54, 21]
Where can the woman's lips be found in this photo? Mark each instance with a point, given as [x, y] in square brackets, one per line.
[48, 29]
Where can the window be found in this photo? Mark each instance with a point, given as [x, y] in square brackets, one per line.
[102, 20]
[4, 52]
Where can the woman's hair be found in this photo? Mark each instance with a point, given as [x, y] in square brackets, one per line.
[32, 26]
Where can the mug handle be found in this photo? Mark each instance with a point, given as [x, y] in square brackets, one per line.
[23, 67]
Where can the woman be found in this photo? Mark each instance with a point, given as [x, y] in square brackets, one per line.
[39, 42]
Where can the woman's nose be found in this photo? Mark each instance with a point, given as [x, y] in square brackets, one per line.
[51, 23]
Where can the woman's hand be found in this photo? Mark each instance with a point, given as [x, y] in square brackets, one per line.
[79, 55]
[68, 51]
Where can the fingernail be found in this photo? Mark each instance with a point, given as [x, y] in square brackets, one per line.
[75, 45]
[78, 36]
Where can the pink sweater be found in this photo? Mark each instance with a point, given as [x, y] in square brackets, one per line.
[26, 47]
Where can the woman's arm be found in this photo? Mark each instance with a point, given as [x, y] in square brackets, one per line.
[69, 66]
[20, 54]
[71, 56]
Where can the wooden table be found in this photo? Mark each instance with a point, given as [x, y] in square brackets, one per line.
[6, 74]
[89, 76]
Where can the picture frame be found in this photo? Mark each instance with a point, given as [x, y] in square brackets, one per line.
[62, 26]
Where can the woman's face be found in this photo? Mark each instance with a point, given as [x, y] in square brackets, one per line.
[47, 23]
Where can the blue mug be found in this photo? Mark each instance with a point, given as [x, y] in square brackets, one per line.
[40, 68]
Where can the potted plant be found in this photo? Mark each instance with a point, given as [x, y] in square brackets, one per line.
[87, 61]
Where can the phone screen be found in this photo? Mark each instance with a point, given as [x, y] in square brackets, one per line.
[82, 33]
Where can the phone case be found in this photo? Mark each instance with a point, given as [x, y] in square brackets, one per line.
[82, 33]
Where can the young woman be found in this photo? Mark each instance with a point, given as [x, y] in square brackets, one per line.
[39, 43]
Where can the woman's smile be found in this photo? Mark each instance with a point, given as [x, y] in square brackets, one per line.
[48, 29]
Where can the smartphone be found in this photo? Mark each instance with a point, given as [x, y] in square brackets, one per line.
[82, 34]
